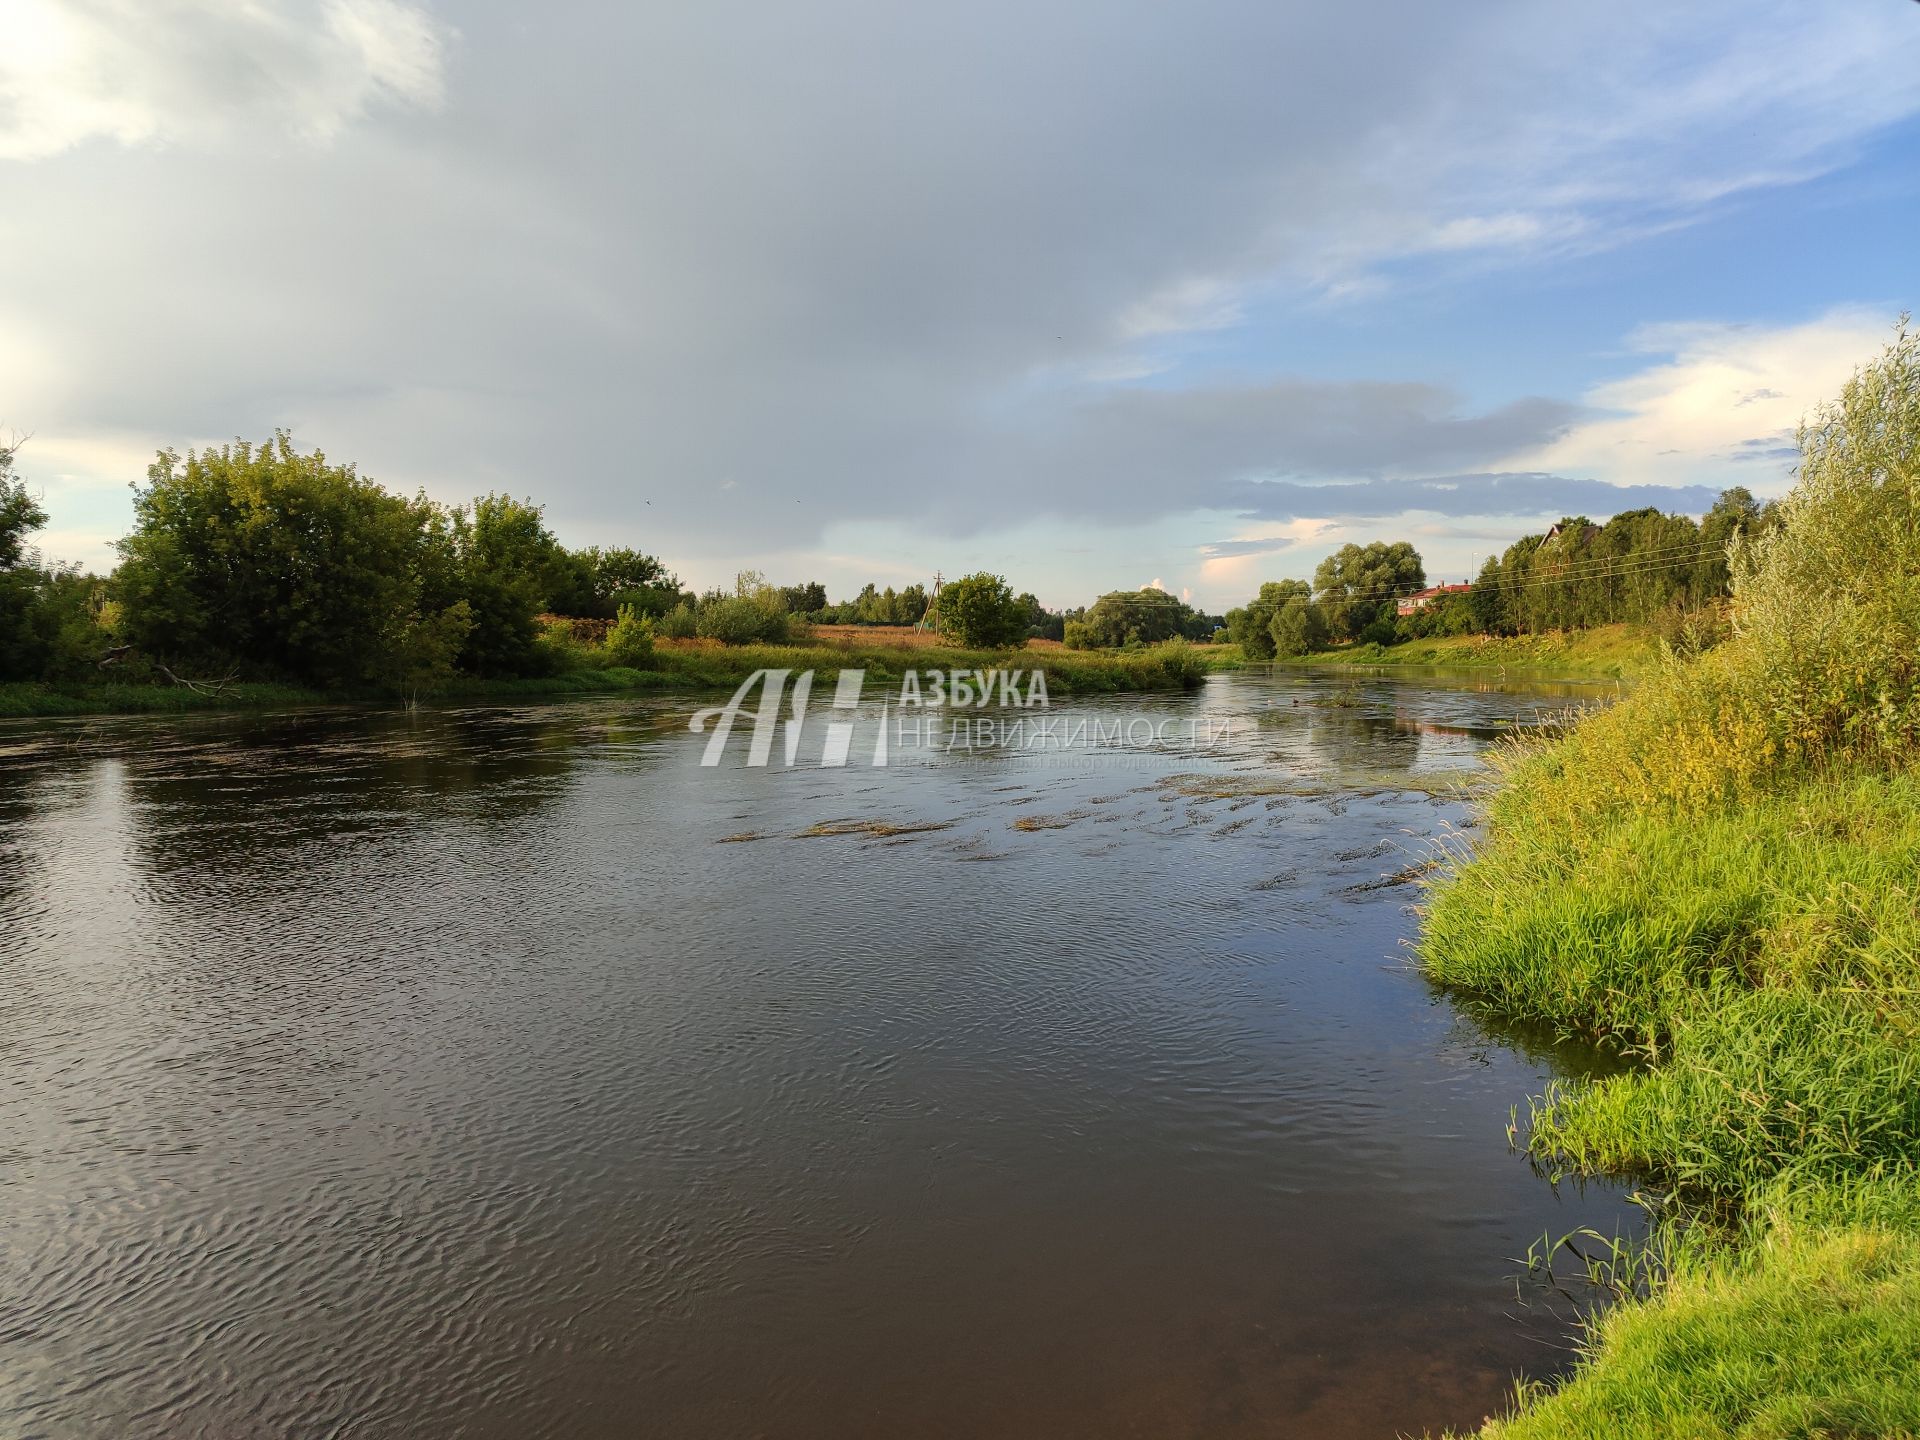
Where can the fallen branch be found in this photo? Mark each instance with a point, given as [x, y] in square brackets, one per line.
[199, 687]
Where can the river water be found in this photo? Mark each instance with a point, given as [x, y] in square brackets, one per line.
[504, 1072]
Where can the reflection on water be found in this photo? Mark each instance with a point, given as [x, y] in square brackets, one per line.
[446, 1074]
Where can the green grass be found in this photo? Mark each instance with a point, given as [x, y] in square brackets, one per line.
[1760, 958]
[1171, 666]
[32, 698]
[1806, 1332]
[1608, 652]
[1160, 667]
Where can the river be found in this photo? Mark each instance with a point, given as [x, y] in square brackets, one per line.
[502, 1071]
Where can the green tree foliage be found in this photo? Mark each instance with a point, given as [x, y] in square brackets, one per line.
[1251, 626]
[1357, 585]
[20, 513]
[21, 641]
[979, 611]
[754, 613]
[874, 606]
[1042, 623]
[1641, 567]
[53, 618]
[424, 649]
[273, 561]
[505, 564]
[630, 640]
[808, 599]
[679, 623]
[1136, 617]
[1298, 628]
[621, 576]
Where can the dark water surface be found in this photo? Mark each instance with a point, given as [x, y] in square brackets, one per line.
[466, 1073]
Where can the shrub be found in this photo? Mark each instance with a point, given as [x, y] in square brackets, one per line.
[630, 642]
[980, 612]
[678, 623]
[736, 620]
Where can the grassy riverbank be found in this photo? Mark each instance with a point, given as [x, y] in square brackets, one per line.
[1721, 877]
[1606, 652]
[691, 669]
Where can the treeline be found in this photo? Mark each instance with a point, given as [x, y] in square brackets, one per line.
[1641, 567]
[260, 562]
[912, 605]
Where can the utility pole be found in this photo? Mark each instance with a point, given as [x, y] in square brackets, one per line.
[930, 617]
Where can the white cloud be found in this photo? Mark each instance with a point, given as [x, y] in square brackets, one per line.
[161, 72]
[1721, 407]
[1191, 304]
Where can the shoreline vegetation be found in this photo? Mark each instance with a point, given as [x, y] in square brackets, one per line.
[1719, 879]
[262, 575]
[670, 668]
[1620, 651]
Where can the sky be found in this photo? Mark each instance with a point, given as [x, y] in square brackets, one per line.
[1092, 294]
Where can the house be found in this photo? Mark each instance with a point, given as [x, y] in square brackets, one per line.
[1420, 599]
[1587, 532]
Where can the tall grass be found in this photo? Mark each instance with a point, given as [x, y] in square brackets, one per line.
[1721, 875]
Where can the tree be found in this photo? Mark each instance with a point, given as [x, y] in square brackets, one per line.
[1139, 617]
[980, 611]
[504, 559]
[1298, 628]
[1487, 600]
[1735, 513]
[1357, 584]
[1251, 626]
[270, 560]
[20, 513]
[22, 638]
[1042, 623]
[423, 649]
[619, 576]
[804, 599]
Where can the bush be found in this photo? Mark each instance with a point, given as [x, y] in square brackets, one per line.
[630, 642]
[735, 620]
[678, 623]
[980, 612]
